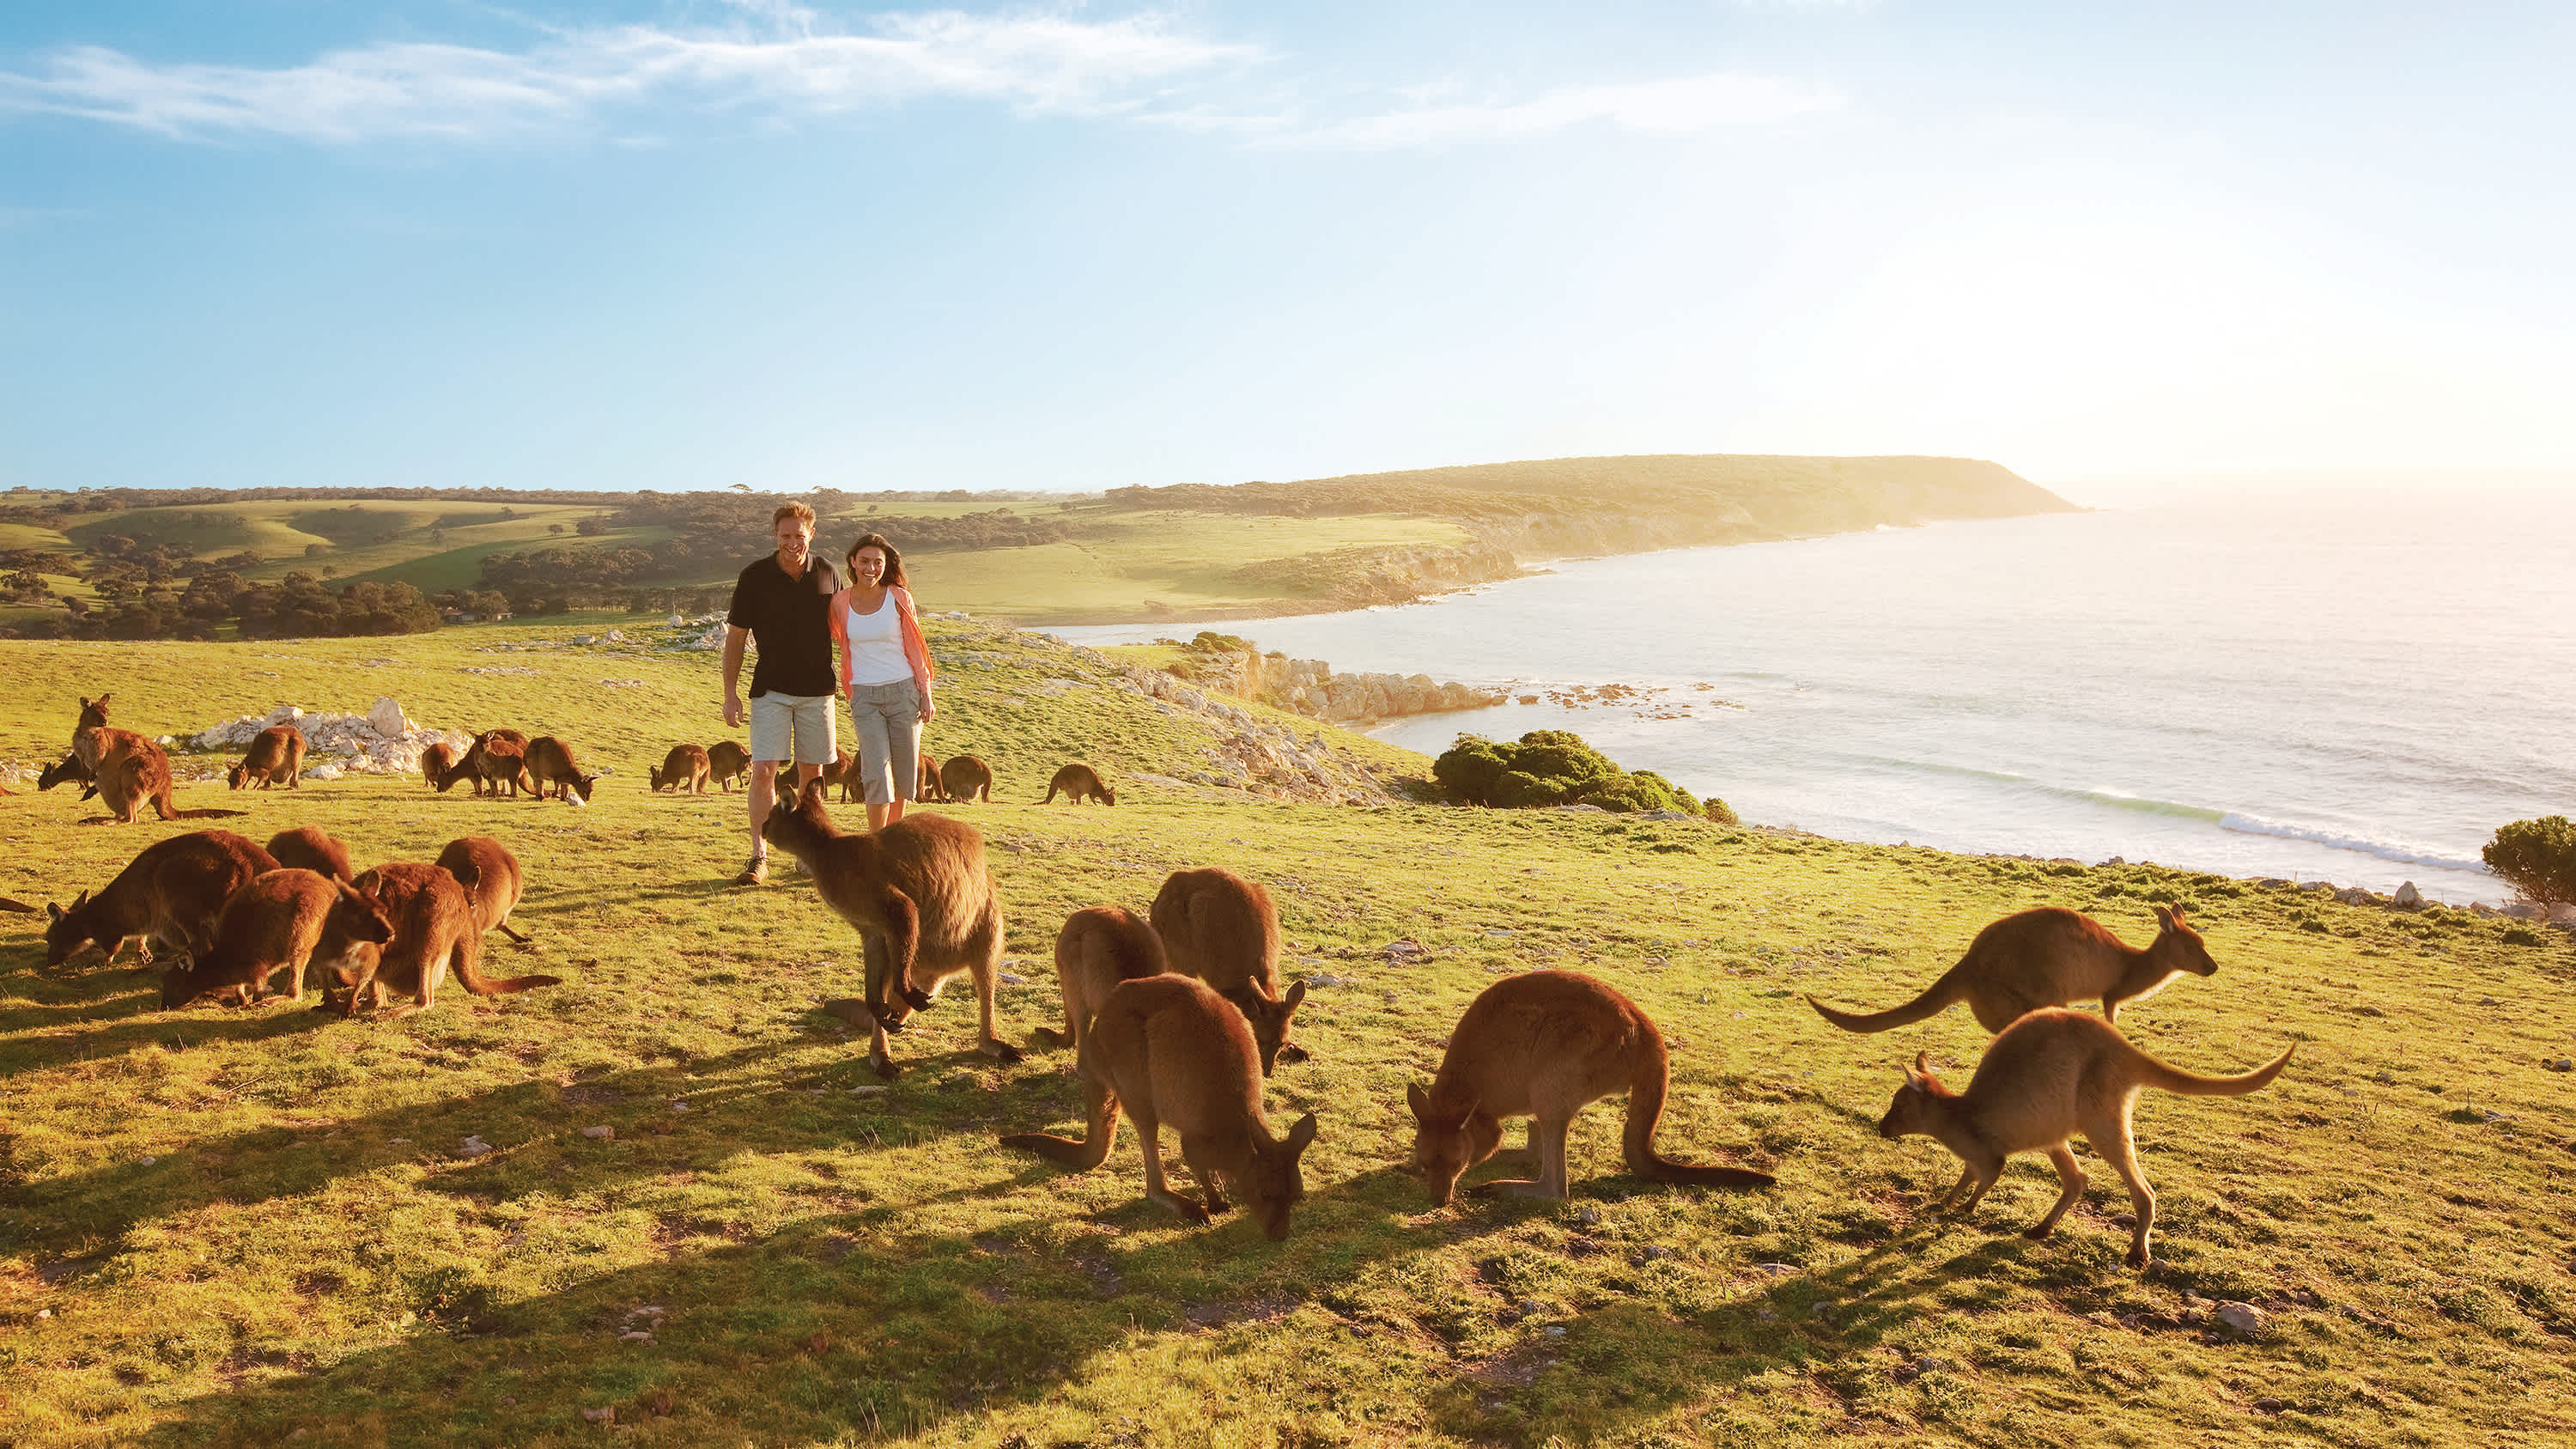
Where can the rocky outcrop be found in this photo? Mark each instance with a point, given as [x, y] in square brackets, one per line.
[1253, 754]
[382, 741]
[1311, 688]
[1357, 578]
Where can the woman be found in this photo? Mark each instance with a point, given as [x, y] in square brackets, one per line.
[885, 674]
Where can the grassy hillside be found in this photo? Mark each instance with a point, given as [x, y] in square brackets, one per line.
[249, 1227]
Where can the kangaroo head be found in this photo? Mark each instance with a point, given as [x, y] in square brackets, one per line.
[66, 931]
[361, 914]
[236, 775]
[180, 985]
[1914, 1108]
[581, 785]
[2181, 944]
[656, 772]
[1446, 1144]
[1269, 1019]
[1108, 796]
[66, 768]
[1274, 1183]
[94, 711]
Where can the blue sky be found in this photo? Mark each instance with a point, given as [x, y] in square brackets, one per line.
[695, 243]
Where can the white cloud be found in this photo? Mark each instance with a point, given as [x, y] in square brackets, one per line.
[1682, 106]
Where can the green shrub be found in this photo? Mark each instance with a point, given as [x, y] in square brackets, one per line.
[1719, 811]
[2538, 859]
[1469, 770]
[1554, 767]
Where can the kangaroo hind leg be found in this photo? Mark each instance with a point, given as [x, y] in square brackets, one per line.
[2072, 1178]
[2110, 1138]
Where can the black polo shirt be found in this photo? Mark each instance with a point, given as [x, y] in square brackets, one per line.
[791, 626]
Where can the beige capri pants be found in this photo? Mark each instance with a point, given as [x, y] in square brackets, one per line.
[886, 719]
[793, 727]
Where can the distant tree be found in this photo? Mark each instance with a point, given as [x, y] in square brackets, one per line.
[591, 525]
[555, 529]
[316, 550]
[330, 571]
[25, 587]
[2538, 859]
[115, 588]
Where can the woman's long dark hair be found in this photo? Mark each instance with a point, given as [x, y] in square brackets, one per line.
[893, 578]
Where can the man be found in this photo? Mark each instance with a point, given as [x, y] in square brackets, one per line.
[782, 604]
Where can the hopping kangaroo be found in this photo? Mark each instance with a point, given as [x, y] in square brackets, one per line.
[917, 893]
[726, 763]
[2048, 1076]
[276, 758]
[437, 764]
[550, 762]
[2046, 957]
[1175, 1054]
[1543, 1045]
[310, 847]
[492, 880]
[434, 933]
[170, 895]
[1078, 781]
[1099, 947]
[1222, 929]
[128, 769]
[279, 921]
[683, 771]
[926, 791]
[963, 778]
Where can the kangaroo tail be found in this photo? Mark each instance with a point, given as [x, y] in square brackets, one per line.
[1934, 999]
[471, 977]
[504, 928]
[201, 814]
[1646, 1109]
[2191, 1084]
[6, 904]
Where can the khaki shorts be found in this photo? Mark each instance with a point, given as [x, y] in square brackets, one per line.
[801, 720]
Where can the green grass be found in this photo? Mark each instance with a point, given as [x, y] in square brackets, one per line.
[303, 1253]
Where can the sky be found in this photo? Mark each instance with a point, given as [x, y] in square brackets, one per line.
[691, 243]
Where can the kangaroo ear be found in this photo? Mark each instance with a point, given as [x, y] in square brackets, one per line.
[1301, 1136]
[2165, 917]
[1414, 1097]
[80, 900]
[1290, 1002]
[53, 912]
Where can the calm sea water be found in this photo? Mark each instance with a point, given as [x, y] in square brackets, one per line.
[2353, 691]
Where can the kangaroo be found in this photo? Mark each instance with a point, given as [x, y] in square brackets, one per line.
[1543, 1045]
[169, 895]
[1077, 781]
[1222, 929]
[2047, 957]
[926, 791]
[500, 757]
[2044, 1078]
[491, 877]
[68, 768]
[684, 770]
[1174, 1053]
[1099, 947]
[728, 762]
[309, 847]
[843, 773]
[436, 764]
[434, 933]
[128, 769]
[279, 921]
[550, 763]
[963, 778]
[276, 758]
[918, 894]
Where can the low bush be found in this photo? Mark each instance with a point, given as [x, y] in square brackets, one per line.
[1554, 767]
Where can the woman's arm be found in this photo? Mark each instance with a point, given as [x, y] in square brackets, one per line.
[916, 651]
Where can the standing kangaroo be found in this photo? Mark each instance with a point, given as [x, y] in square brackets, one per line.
[276, 758]
[1544, 1045]
[170, 894]
[279, 921]
[1222, 929]
[927, 791]
[310, 847]
[2046, 1077]
[551, 763]
[1174, 1053]
[2047, 957]
[727, 761]
[129, 769]
[683, 771]
[492, 880]
[1078, 782]
[434, 933]
[918, 894]
[964, 778]
[1099, 947]
[498, 758]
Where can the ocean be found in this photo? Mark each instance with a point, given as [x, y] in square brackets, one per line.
[2357, 690]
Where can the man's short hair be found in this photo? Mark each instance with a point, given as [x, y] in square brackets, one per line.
[797, 511]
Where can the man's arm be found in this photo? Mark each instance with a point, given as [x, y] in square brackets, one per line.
[735, 636]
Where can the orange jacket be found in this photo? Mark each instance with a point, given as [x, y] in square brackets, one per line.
[915, 648]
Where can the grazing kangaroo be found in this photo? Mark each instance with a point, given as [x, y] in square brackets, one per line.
[492, 880]
[310, 847]
[685, 769]
[170, 895]
[1077, 781]
[843, 774]
[500, 757]
[726, 763]
[1099, 947]
[551, 763]
[926, 791]
[279, 921]
[69, 767]
[918, 894]
[1222, 929]
[2047, 957]
[437, 764]
[434, 933]
[1543, 1045]
[963, 778]
[276, 758]
[2044, 1078]
[129, 770]
[1175, 1054]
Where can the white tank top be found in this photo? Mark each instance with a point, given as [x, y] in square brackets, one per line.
[876, 643]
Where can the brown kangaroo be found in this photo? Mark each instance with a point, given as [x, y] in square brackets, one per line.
[1222, 929]
[276, 758]
[1099, 947]
[310, 847]
[279, 921]
[69, 767]
[1543, 1045]
[926, 791]
[1077, 781]
[684, 770]
[551, 763]
[129, 769]
[843, 774]
[437, 764]
[434, 933]
[2044, 1078]
[918, 894]
[491, 877]
[2047, 957]
[170, 895]
[963, 778]
[497, 758]
[728, 761]
[1174, 1053]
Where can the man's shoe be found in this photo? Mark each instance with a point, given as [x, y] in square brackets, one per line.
[754, 873]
